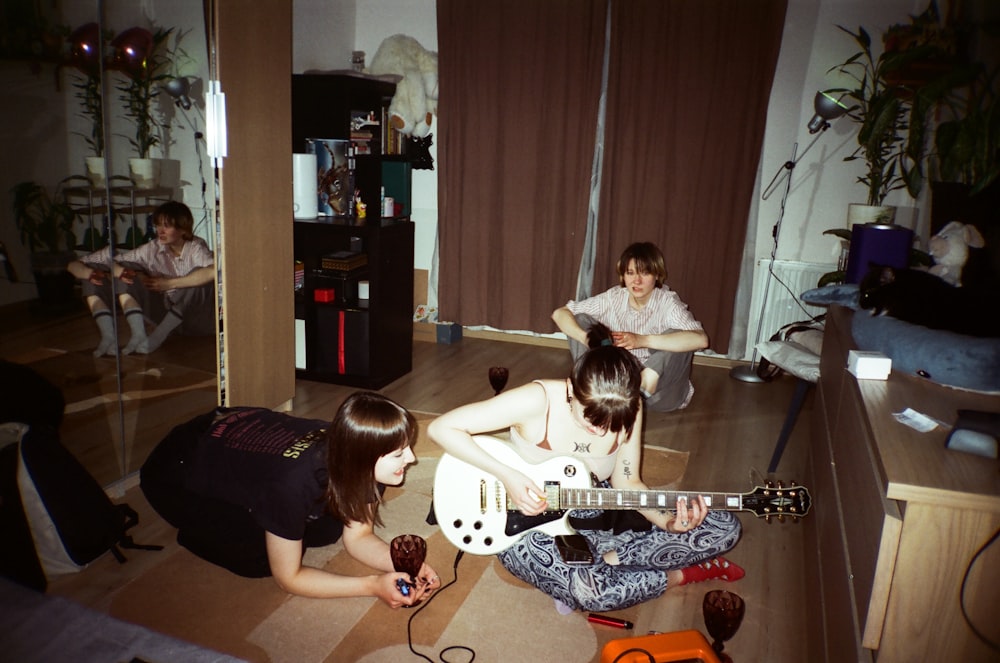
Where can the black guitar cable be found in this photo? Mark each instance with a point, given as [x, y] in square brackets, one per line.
[409, 622]
[634, 650]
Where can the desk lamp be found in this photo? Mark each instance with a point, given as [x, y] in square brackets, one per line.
[827, 108]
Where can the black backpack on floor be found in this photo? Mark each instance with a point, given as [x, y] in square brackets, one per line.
[55, 518]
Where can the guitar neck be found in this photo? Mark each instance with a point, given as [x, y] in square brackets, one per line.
[611, 499]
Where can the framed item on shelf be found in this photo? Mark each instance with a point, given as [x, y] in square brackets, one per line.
[333, 176]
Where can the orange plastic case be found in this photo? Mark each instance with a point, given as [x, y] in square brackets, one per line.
[663, 647]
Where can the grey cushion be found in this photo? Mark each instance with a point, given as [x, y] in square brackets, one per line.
[942, 356]
[845, 294]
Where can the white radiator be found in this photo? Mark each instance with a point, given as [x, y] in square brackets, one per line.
[783, 304]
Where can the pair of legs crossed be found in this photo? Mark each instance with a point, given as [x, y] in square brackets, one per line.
[190, 311]
[665, 375]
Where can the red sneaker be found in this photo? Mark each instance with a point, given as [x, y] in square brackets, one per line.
[720, 568]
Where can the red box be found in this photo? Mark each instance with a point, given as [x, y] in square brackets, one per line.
[325, 295]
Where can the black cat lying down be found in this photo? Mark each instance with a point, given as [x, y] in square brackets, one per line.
[924, 299]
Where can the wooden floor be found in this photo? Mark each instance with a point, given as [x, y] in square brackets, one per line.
[729, 429]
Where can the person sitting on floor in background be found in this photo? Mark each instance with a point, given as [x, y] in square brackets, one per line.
[171, 280]
[596, 416]
[648, 320]
[250, 489]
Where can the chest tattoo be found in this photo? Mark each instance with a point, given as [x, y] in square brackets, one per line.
[581, 447]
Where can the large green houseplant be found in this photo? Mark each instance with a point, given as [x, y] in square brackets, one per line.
[142, 57]
[895, 94]
[85, 56]
[45, 225]
[967, 148]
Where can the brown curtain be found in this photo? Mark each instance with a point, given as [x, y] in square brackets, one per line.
[687, 99]
[519, 84]
[520, 80]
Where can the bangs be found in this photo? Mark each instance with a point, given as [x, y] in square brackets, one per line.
[614, 415]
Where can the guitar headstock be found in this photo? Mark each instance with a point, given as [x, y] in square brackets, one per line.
[777, 500]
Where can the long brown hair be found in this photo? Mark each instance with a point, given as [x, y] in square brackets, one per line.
[366, 427]
[607, 382]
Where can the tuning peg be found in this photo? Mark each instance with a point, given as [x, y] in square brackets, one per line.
[781, 518]
[767, 519]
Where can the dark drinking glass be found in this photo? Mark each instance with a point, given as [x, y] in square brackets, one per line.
[408, 552]
[723, 614]
[498, 378]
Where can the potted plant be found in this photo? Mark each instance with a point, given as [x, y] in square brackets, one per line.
[45, 225]
[140, 55]
[967, 148]
[893, 96]
[965, 165]
[85, 55]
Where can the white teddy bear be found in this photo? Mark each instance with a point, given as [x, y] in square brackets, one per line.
[415, 102]
[950, 250]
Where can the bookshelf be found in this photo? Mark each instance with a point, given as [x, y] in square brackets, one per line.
[341, 336]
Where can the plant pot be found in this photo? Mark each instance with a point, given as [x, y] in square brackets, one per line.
[169, 173]
[144, 173]
[96, 172]
[877, 214]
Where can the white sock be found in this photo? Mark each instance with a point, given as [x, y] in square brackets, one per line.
[106, 346]
[137, 323]
[170, 322]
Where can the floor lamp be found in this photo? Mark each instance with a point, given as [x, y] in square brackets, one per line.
[827, 108]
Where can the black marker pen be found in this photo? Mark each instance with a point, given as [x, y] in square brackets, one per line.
[609, 621]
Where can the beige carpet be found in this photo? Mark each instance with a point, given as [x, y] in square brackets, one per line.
[487, 609]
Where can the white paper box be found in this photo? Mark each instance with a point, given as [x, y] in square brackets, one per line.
[866, 365]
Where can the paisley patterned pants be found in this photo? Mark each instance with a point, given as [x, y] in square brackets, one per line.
[644, 558]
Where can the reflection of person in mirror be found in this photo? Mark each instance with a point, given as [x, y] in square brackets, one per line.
[170, 283]
[649, 320]
[251, 489]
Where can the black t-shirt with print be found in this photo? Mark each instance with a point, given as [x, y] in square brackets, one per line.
[270, 463]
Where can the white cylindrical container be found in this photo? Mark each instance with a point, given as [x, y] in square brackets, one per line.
[305, 194]
[362, 289]
[388, 206]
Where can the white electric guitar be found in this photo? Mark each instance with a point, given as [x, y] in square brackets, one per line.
[475, 514]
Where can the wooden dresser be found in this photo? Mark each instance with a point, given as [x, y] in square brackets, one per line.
[896, 520]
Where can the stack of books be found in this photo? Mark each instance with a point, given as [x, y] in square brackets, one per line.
[344, 261]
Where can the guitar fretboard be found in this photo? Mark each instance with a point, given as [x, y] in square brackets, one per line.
[612, 499]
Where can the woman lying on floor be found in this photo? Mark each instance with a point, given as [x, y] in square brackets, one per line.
[596, 416]
[250, 489]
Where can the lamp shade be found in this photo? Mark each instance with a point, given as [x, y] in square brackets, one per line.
[179, 88]
[827, 108]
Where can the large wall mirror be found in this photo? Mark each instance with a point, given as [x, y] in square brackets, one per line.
[62, 104]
